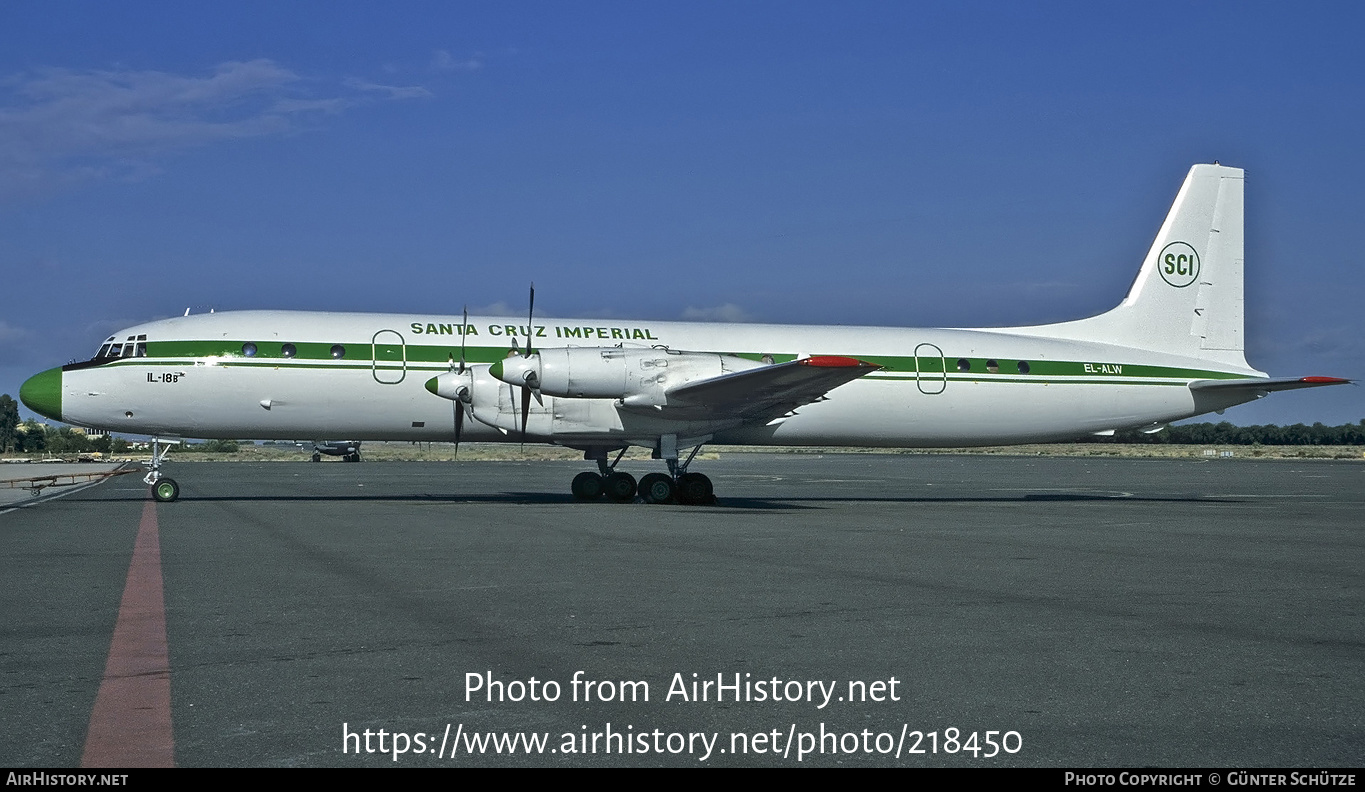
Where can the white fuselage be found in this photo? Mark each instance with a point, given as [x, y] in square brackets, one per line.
[938, 387]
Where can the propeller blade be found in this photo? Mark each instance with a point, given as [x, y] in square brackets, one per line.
[464, 332]
[525, 410]
[533, 382]
[459, 425]
[530, 314]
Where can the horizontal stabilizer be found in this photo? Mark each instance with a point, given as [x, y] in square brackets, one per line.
[1266, 385]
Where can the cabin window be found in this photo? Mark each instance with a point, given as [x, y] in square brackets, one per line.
[963, 364]
[338, 351]
[249, 349]
[1023, 367]
[289, 350]
[993, 366]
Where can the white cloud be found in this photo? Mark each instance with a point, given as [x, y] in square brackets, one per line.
[14, 343]
[9, 332]
[498, 308]
[729, 312]
[61, 126]
[442, 60]
[391, 91]
[328, 106]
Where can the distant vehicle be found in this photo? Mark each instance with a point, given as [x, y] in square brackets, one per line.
[348, 450]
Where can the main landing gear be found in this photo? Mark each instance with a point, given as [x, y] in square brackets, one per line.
[676, 486]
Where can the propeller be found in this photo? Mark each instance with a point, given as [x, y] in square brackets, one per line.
[518, 369]
[464, 399]
[530, 382]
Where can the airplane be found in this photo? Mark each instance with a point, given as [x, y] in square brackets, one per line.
[1172, 349]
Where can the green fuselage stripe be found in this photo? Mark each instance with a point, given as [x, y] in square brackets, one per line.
[365, 356]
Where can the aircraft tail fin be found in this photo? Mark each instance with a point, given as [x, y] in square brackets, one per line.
[1187, 298]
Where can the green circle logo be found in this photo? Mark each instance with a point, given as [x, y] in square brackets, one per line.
[1178, 264]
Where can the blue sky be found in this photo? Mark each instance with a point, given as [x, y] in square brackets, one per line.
[915, 164]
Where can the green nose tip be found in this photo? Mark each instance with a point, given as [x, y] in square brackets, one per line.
[42, 393]
[496, 370]
[431, 385]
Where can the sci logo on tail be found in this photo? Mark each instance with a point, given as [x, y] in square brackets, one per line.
[1179, 264]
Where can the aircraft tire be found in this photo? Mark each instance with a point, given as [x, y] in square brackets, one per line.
[694, 489]
[620, 487]
[317, 457]
[656, 488]
[587, 486]
[165, 490]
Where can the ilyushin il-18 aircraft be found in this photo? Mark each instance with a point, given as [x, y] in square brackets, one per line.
[1172, 349]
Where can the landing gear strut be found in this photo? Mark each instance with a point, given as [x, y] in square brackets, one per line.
[690, 489]
[164, 489]
[676, 486]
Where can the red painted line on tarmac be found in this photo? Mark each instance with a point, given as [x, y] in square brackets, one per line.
[131, 723]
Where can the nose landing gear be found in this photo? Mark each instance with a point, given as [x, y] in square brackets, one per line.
[164, 489]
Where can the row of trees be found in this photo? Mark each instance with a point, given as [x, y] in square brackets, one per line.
[1225, 433]
[32, 437]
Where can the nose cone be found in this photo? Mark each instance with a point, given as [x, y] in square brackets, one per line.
[42, 393]
[517, 369]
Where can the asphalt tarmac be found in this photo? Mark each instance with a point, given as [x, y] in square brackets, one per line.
[1086, 612]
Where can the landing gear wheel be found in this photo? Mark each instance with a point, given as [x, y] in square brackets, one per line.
[165, 490]
[620, 487]
[694, 489]
[317, 457]
[353, 457]
[587, 486]
[656, 488]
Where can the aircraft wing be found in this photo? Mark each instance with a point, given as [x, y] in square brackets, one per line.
[759, 391]
[1257, 384]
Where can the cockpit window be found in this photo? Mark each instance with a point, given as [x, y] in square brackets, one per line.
[134, 346]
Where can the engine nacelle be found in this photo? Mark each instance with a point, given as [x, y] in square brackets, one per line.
[637, 376]
[577, 421]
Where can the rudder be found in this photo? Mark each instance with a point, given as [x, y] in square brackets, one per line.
[1187, 298]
